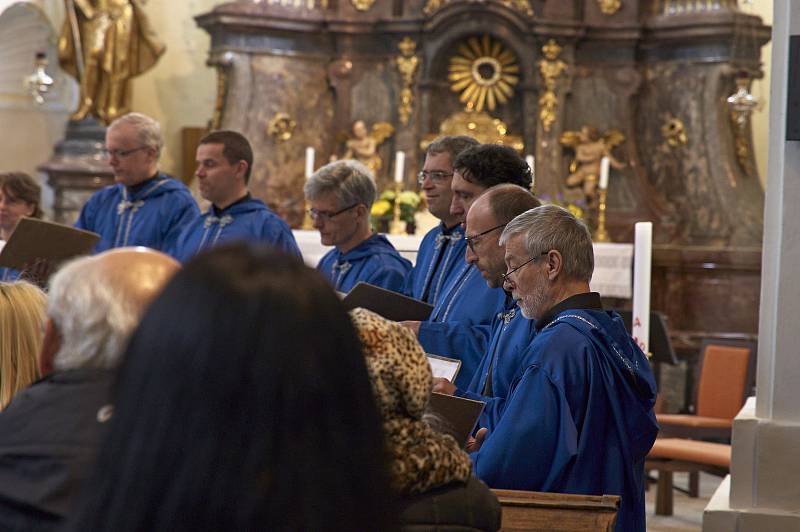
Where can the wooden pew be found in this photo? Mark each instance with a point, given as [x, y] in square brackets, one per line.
[557, 512]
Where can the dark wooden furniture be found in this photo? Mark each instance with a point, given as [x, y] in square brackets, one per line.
[557, 512]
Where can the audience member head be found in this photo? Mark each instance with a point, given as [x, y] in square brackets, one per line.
[94, 304]
[133, 143]
[20, 195]
[22, 316]
[224, 160]
[341, 196]
[549, 257]
[437, 175]
[422, 459]
[481, 167]
[243, 403]
[486, 219]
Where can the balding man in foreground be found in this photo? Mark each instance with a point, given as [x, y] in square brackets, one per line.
[579, 415]
[50, 432]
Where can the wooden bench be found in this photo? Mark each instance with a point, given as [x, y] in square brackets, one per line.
[557, 512]
[670, 455]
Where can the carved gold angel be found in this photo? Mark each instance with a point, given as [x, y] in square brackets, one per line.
[590, 147]
[363, 145]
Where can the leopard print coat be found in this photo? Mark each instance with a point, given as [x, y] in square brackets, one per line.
[422, 458]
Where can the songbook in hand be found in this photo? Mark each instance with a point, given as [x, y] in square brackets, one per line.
[390, 305]
[460, 415]
[35, 239]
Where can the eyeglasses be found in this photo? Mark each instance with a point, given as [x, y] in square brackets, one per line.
[121, 154]
[324, 216]
[435, 175]
[474, 238]
[507, 275]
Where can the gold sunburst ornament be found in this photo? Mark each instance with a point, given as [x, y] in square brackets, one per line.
[484, 72]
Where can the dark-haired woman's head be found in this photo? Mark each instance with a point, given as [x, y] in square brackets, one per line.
[20, 195]
[243, 403]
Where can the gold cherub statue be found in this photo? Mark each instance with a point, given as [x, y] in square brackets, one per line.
[363, 145]
[590, 147]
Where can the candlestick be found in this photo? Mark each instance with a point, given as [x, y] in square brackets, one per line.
[399, 167]
[604, 162]
[309, 161]
[601, 235]
[642, 259]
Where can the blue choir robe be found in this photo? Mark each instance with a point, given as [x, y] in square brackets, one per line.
[246, 220]
[8, 275]
[512, 335]
[461, 322]
[439, 259]
[373, 261]
[150, 214]
[579, 418]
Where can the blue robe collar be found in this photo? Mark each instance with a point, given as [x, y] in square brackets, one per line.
[586, 301]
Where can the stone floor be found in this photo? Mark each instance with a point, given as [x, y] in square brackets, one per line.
[688, 514]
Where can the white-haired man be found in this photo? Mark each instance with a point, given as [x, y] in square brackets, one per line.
[341, 196]
[579, 415]
[145, 207]
[50, 432]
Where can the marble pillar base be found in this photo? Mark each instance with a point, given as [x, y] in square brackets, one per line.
[763, 491]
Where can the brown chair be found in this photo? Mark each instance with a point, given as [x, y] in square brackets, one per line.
[727, 373]
[557, 512]
[670, 455]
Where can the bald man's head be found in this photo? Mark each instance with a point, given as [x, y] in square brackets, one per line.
[96, 302]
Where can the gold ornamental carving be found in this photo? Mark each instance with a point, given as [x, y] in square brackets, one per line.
[407, 64]
[551, 68]
[479, 125]
[484, 72]
[362, 5]
[281, 127]
[362, 144]
[590, 147]
[609, 7]
[522, 6]
[673, 131]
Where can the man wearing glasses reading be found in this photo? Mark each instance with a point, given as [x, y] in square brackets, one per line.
[341, 196]
[145, 207]
[579, 415]
[441, 251]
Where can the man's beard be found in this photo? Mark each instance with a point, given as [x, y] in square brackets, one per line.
[533, 305]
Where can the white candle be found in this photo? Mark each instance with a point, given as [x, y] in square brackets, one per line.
[642, 258]
[399, 167]
[309, 161]
[604, 162]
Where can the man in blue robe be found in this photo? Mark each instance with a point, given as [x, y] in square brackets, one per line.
[461, 322]
[511, 333]
[224, 161]
[145, 207]
[579, 416]
[341, 196]
[441, 252]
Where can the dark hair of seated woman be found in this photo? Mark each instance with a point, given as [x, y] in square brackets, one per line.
[243, 403]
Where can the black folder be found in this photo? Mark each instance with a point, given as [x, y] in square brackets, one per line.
[36, 239]
[390, 305]
[459, 415]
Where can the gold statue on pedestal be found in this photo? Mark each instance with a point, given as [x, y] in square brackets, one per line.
[103, 44]
[590, 147]
[363, 145]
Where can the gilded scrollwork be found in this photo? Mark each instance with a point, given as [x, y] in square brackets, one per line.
[407, 64]
[281, 127]
[551, 68]
[522, 6]
[478, 125]
[609, 7]
[673, 131]
[362, 5]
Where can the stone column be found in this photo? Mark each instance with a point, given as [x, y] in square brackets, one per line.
[763, 491]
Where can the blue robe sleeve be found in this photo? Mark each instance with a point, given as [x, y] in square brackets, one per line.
[86, 218]
[535, 440]
[390, 275]
[184, 212]
[466, 342]
[283, 239]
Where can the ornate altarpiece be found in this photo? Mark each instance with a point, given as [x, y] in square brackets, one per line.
[297, 73]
